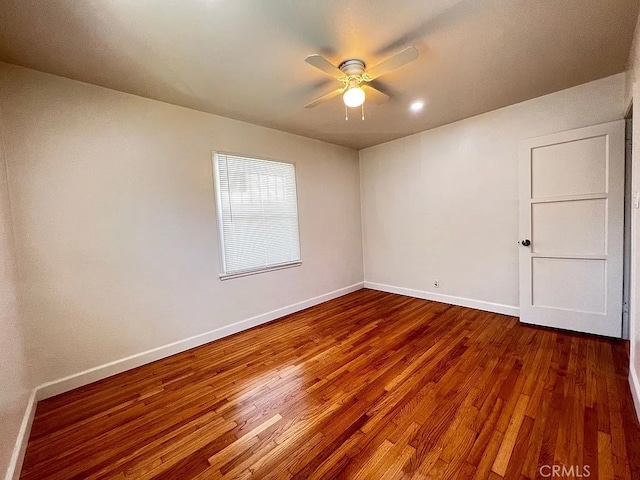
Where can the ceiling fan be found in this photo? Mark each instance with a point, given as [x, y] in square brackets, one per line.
[355, 78]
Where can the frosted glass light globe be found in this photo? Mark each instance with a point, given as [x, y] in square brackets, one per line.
[354, 97]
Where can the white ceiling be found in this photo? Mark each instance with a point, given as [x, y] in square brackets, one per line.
[244, 59]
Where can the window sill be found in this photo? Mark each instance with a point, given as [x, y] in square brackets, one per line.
[229, 276]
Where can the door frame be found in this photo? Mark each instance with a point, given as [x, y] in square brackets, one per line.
[628, 220]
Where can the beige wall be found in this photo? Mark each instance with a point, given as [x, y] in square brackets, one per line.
[114, 215]
[443, 204]
[633, 65]
[14, 390]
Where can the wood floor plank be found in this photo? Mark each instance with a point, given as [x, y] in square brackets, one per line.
[369, 385]
[510, 436]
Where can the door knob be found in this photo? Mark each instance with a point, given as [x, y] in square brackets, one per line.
[525, 242]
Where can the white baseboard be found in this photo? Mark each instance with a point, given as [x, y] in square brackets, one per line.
[15, 463]
[438, 297]
[94, 374]
[634, 384]
[91, 375]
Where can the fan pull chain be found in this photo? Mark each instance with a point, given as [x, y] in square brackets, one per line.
[346, 112]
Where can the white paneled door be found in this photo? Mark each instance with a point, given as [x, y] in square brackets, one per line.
[571, 229]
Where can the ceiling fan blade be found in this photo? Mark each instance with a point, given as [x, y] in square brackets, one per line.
[325, 65]
[375, 95]
[407, 55]
[324, 98]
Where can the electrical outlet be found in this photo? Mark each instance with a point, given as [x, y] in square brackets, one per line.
[436, 283]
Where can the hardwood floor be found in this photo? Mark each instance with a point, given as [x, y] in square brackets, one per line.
[370, 385]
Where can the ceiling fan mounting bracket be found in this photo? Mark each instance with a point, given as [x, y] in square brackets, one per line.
[354, 71]
[352, 67]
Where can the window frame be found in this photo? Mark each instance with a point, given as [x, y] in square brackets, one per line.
[223, 275]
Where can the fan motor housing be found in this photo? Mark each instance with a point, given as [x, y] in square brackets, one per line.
[352, 67]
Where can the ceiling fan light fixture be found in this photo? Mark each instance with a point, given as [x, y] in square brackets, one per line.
[352, 72]
[353, 97]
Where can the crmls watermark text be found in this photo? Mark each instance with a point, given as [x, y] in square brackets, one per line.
[562, 471]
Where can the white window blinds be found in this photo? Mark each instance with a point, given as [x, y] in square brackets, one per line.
[258, 213]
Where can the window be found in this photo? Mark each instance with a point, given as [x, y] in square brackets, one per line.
[257, 213]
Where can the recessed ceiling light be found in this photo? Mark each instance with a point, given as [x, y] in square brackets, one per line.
[416, 106]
